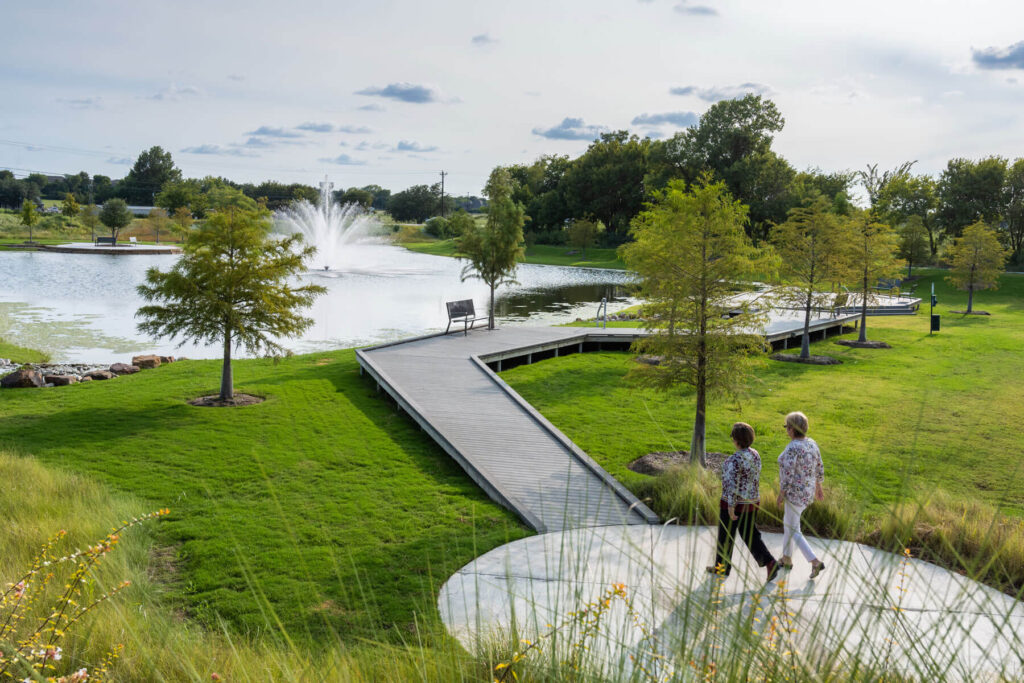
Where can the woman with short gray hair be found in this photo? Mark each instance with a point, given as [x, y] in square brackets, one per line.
[801, 473]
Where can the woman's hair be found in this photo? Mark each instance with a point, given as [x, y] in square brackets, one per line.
[797, 422]
[743, 434]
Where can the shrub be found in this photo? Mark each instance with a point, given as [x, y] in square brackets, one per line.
[437, 227]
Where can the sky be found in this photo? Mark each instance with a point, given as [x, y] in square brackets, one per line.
[392, 92]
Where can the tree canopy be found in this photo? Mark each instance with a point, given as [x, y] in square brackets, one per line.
[231, 286]
[493, 249]
[976, 261]
[153, 168]
[116, 216]
[689, 249]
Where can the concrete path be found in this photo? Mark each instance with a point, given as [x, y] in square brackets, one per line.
[874, 607]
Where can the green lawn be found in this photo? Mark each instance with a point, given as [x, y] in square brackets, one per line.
[540, 254]
[322, 507]
[934, 412]
[20, 354]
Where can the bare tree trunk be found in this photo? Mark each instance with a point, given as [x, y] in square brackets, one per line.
[970, 298]
[227, 385]
[697, 446]
[805, 344]
[863, 336]
[490, 314]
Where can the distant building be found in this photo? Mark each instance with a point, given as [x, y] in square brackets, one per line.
[140, 211]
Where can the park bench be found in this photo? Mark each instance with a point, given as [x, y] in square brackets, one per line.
[133, 241]
[462, 311]
[887, 286]
[100, 241]
[839, 303]
[907, 290]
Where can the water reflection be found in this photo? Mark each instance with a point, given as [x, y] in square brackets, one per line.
[82, 307]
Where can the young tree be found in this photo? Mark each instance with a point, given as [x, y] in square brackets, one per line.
[976, 259]
[493, 249]
[89, 215]
[69, 208]
[689, 249]
[230, 286]
[913, 243]
[182, 221]
[157, 220]
[583, 234]
[116, 216]
[29, 216]
[872, 254]
[813, 245]
[460, 222]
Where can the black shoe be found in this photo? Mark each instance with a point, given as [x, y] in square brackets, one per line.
[773, 570]
[817, 569]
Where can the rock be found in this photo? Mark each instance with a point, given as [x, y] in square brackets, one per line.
[146, 362]
[85, 378]
[166, 359]
[124, 369]
[863, 344]
[22, 379]
[99, 374]
[61, 380]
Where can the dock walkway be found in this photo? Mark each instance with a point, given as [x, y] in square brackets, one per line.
[520, 459]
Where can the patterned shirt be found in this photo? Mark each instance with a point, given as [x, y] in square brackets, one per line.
[741, 477]
[800, 470]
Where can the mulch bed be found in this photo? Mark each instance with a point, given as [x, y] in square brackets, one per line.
[659, 461]
[215, 402]
[863, 344]
[971, 313]
[810, 360]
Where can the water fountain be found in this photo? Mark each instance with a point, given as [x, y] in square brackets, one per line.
[331, 227]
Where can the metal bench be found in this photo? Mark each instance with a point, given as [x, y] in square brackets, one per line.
[112, 241]
[462, 311]
[133, 241]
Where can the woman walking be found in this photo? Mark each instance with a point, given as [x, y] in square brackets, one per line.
[801, 473]
[741, 480]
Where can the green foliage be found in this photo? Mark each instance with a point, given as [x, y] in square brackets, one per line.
[354, 195]
[872, 257]
[29, 216]
[493, 249]
[157, 221]
[151, 171]
[230, 287]
[181, 222]
[1014, 212]
[583, 234]
[913, 243]
[606, 183]
[21, 354]
[416, 203]
[970, 191]
[459, 223]
[906, 196]
[69, 208]
[689, 248]
[976, 261]
[175, 195]
[438, 227]
[813, 245]
[115, 215]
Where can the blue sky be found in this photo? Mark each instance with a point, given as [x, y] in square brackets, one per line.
[392, 92]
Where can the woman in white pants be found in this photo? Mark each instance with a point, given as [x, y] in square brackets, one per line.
[800, 475]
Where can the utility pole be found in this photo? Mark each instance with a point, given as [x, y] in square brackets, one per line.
[443, 174]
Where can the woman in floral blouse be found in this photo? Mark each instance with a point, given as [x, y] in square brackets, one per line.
[741, 478]
[800, 475]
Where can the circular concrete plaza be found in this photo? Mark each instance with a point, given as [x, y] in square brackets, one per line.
[868, 607]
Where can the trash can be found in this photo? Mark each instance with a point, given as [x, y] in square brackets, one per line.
[935, 322]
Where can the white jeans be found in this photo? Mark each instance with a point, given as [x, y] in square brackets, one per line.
[791, 525]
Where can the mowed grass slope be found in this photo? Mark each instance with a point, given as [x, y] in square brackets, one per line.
[934, 412]
[322, 509]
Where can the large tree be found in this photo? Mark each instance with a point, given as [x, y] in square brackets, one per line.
[607, 182]
[493, 249]
[732, 141]
[976, 261]
[689, 250]
[970, 191]
[875, 183]
[905, 196]
[813, 246]
[416, 203]
[872, 256]
[116, 216]
[151, 171]
[1014, 212]
[231, 286]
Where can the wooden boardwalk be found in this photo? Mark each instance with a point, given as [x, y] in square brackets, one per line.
[520, 459]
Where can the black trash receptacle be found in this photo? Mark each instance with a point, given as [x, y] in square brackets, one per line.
[935, 322]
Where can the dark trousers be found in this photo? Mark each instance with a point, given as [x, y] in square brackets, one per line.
[743, 526]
